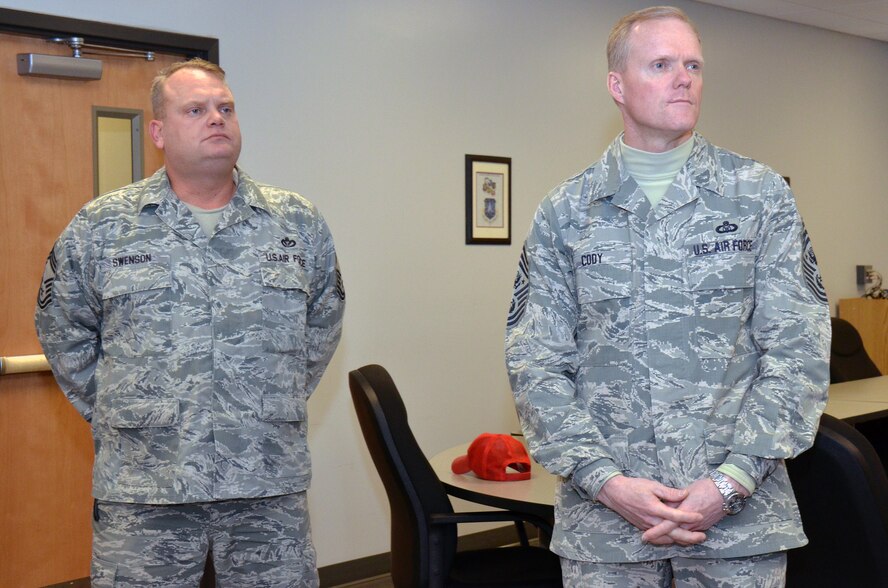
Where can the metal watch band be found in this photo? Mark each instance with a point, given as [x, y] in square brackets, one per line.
[732, 501]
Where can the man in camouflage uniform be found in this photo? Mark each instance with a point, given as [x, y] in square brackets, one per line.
[668, 340]
[188, 317]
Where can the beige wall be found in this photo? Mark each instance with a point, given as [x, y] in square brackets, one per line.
[368, 108]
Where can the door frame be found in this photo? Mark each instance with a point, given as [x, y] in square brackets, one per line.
[35, 24]
[46, 26]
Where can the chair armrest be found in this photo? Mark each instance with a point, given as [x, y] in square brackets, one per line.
[491, 516]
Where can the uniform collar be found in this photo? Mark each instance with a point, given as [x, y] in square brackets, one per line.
[156, 192]
[610, 179]
[157, 188]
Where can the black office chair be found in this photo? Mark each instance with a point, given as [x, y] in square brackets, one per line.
[842, 492]
[848, 359]
[424, 525]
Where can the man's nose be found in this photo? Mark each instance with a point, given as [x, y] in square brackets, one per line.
[683, 78]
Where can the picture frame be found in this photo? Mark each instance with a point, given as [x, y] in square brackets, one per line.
[488, 200]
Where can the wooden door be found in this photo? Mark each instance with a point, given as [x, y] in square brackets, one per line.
[46, 175]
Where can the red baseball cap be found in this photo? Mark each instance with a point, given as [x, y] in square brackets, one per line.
[491, 455]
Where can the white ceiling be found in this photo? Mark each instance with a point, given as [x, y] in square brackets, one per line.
[861, 18]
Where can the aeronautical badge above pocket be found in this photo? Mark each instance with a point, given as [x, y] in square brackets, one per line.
[289, 253]
[720, 236]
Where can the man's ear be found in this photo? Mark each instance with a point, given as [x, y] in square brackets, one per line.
[615, 86]
[155, 129]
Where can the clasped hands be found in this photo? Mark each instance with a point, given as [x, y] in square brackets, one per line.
[665, 515]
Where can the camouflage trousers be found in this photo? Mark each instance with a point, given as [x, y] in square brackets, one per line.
[758, 571]
[255, 542]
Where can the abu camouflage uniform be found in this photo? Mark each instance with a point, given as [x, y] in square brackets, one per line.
[193, 357]
[767, 570]
[256, 542]
[665, 342]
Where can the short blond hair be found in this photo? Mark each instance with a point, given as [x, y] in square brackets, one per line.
[158, 100]
[618, 40]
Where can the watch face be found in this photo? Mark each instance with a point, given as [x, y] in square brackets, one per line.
[735, 504]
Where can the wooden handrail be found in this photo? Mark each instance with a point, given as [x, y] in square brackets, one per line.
[22, 364]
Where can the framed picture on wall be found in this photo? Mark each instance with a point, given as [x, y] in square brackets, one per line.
[488, 200]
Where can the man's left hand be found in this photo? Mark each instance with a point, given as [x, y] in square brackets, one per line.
[704, 498]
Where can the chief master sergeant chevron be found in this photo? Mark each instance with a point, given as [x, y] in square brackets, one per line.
[188, 317]
[668, 340]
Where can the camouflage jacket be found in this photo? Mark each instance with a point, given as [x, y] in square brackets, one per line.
[193, 358]
[663, 343]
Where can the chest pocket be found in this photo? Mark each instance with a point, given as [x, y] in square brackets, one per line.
[137, 305]
[721, 280]
[603, 272]
[284, 306]
[284, 300]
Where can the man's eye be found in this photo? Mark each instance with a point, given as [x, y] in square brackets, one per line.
[194, 111]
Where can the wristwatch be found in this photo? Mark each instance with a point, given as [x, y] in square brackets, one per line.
[733, 501]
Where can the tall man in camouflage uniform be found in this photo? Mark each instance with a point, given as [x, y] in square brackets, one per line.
[188, 317]
[668, 340]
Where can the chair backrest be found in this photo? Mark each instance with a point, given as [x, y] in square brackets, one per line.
[848, 358]
[411, 484]
[842, 492]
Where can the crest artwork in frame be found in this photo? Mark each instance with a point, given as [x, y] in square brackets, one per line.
[488, 200]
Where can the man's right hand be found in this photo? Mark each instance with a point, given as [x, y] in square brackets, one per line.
[646, 503]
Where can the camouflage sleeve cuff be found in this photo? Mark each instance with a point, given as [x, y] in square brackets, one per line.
[736, 473]
[588, 479]
[749, 470]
